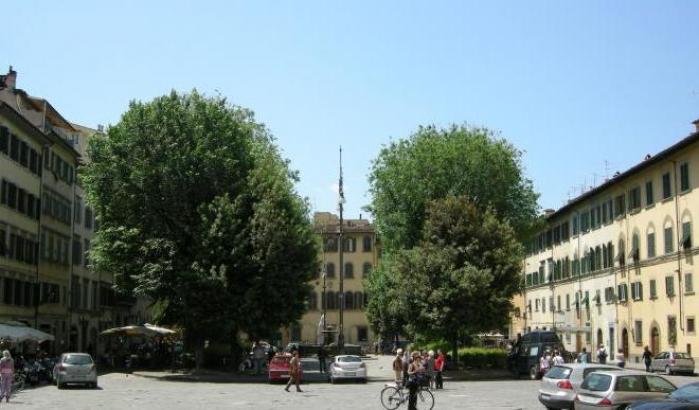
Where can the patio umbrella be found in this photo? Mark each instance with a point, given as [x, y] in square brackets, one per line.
[19, 332]
[133, 330]
[161, 330]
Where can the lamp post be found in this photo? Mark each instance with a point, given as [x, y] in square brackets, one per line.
[341, 334]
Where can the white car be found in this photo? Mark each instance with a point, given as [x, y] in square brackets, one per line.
[348, 367]
[76, 368]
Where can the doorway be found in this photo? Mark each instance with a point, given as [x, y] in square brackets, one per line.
[612, 346]
[625, 342]
[600, 339]
[655, 340]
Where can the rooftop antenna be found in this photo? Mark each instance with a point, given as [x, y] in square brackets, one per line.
[606, 170]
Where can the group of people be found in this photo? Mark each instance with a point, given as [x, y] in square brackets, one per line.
[418, 369]
[7, 375]
[548, 360]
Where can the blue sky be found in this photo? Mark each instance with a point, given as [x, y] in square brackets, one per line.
[572, 84]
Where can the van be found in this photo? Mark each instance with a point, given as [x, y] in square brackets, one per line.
[526, 353]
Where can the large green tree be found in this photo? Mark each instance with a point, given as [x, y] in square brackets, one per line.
[198, 210]
[433, 163]
[460, 278]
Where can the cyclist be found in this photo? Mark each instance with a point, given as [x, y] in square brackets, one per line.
[415, 374]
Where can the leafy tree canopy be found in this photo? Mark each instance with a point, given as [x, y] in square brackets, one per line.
[198, 210]
[434, 163]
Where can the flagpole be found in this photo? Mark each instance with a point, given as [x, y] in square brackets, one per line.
[341, 334]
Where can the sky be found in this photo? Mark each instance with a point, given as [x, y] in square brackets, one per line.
[583, 89]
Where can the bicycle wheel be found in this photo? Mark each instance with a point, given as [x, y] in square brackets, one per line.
[425, 400]
[390, 398]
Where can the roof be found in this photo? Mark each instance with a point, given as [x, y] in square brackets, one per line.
[22, 122]
[653, 160]
[623, 372]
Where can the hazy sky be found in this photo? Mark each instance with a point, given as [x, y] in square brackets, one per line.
[572, 84]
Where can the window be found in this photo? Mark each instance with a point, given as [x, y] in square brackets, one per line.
[330, 270]
[575, 225]
[349, 244]
[366, 269]
[362, 334]
[635, 247]
[659, 385]
[623, 292]
[687, 235]
[585, 222]
[536, 305]
[653, 290]
[667, 187]
[635, 198]
[649, 193]
[684, 177]
[349, 270]
[14, 147]
[4, 139]
[77, 217]
[330, 244]
[670, 286]
[543, 304]
[565, 231]
[366, 244]
[638, 332]
[609, 294]
[619, 206]
[688, 283]
[669, 247]
[605, 217]
[637, 291]
[598, 297]
[690, 325]
[77, 250]
[88, 219]
[651, 244]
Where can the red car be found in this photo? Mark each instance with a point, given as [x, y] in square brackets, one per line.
[279, 368]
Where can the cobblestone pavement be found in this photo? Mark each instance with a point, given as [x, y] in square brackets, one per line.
[119, 391]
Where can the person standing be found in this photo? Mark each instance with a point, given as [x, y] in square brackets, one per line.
[258, 355]
[429, 368]
[294, 372]
[406, 365]
[398, 367]
[7, 375]
[557, 358]
[322, 360]
[602, 355]
[582, 357]
[439, 364]
[621, 360]
[414, 371]
[545, 362]
[647, 358]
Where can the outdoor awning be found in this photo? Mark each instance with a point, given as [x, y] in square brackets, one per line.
[146, 330]
[19, 332]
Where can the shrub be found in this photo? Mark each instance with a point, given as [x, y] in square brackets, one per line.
[483, 358]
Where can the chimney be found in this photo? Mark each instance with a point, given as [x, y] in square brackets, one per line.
[549, 212]
[11, 79]
[696, 125]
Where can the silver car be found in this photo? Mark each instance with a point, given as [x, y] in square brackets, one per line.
[348, 367]
[76, 368]
[560, 384]
[616, 390]
[672, 362]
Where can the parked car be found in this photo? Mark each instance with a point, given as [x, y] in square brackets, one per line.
[525, 354]
[78, 368]
[560, 384]
[672, 362]
[616, 390]
[278, 370]
[348, 367]
[684, 398]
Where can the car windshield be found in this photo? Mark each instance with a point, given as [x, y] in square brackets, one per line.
[349, 359]
[77, 359]
[559, 372]
[689, 392]
[597, 382]
[681, 356]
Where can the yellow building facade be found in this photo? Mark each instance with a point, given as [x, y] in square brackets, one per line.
[615, 266]
[360, 256]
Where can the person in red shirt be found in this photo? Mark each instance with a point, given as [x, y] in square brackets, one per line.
[438, 368]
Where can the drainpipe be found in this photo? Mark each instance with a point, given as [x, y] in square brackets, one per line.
[679, 244]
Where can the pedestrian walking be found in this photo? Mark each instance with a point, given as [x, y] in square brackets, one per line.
[545, 362]
[620, 359]
[322, 360]
[557, 358]
[294, 372]
[398, 367]
[429, 368]
[439, 364]
[647, 358]
[602, 355]
[7, 375]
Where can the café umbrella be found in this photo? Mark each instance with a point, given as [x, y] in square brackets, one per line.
[18, 332]
[146, 330]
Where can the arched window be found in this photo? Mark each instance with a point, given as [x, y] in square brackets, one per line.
[338, 300]
[358, 300]
[367, 244]
[622, 253]
[313, 301]
[349, 270]
[366, 269]
[635, 247]
[330, 270]
[349, 301]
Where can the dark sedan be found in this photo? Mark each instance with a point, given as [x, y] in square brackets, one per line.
[684, 398]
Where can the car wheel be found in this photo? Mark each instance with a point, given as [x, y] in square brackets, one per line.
[533, 373]
[668, 371]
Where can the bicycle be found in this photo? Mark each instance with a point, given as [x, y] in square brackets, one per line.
[19, 382]
[394, 396]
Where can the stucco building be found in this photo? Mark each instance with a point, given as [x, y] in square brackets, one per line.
[360, 256]
[615, 266]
